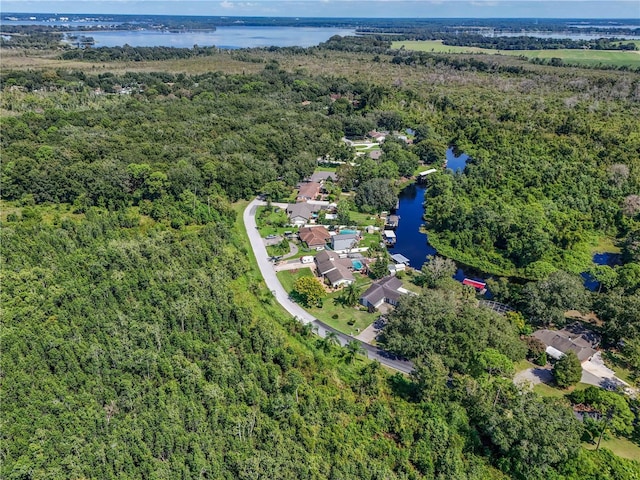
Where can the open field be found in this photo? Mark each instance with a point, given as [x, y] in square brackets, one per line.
[585, 57]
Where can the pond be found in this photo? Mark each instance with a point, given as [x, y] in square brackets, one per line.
[606, 258]
[454, 163]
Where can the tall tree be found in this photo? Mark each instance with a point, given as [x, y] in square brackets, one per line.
[567, 371]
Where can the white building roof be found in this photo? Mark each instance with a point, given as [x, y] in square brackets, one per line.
[554, 353]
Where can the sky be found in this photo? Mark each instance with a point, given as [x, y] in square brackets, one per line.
[340, 8]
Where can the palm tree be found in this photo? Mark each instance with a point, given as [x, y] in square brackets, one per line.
[353, 349]
[351, 295]
[330, 339]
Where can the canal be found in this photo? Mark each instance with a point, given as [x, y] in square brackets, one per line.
[414, 244]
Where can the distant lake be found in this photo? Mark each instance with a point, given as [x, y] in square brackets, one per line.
[222, 37]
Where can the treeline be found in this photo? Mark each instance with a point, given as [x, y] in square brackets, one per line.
[535, 43]
[136, 54]
[30, 36]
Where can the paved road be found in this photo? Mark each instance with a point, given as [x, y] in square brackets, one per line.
[269, 275]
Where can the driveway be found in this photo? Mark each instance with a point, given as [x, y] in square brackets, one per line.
[269, 275]
[533, 376]
[595, 372]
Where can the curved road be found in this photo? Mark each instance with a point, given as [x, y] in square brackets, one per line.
[269, 275]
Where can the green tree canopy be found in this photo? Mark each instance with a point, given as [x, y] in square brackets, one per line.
[567, 371]
[376, 195]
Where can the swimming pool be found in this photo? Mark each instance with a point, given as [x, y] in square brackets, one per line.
[345, 232]
[357, 264]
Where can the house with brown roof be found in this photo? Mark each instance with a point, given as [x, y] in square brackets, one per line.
[386, 290]
[575, 337]
[314, 237]
[308, 191]
[377, 136]
[334, 270]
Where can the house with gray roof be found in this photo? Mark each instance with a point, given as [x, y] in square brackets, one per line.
[386, 290]
[300, 213]
[334, 270]
[323, 176]
[575, 337]
[344, 241]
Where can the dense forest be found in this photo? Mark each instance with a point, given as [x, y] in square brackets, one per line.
[138, 341]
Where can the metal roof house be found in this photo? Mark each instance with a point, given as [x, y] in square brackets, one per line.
[399, 258]
[389, 237]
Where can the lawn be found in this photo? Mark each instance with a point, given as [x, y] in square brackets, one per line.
[349, 320]
[271, 224]
[587, 57]
[545, 390]
[362, 219]
[620, 446]
[523, 365]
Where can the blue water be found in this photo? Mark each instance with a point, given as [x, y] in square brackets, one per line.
[611, 259]
[348, 231]
[357, 264]
[414, 244]
[456, 164]
[222, 37]
[411, 242]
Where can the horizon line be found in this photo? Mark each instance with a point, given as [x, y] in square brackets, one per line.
[632, 19]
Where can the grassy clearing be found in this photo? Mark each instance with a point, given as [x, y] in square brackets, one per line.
[362, 219]
[20, 59]
[523, 365]
[549, 391]
[348, 320]
[605, 245]
[586, 57]
[620, 446]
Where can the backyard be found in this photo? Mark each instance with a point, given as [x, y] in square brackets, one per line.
[349, 320]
